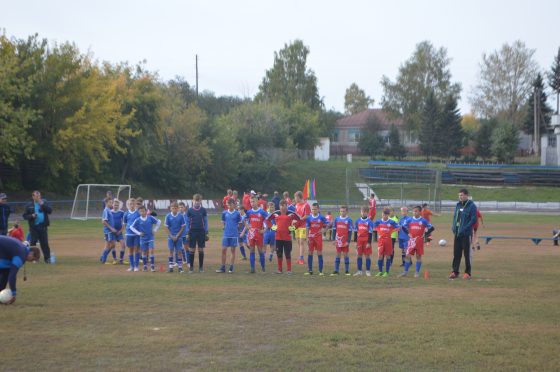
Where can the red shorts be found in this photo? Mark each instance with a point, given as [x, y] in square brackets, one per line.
[415, 246]
[371, 214]
[255, 238]
[342, 249]
[364, 248]
[385, 247]
[315, 244]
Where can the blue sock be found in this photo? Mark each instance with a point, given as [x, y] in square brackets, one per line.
[310, 263]
[380, 265]
[359, 263]
[270, 256]
[114, 254]
[121, 255]
[407, 266]
[104, 255]
[152, 260]
[131, 260]
[262, 259]
[170, 261]
[242, 251]
[145, 260]
[337, 264]
[136, 259]
[368, 264]
[346, 264]
[301, 258]
[252, 260]
[180, 260]
[388, 264]
[320, 259]
[231, 268]
[418, 266]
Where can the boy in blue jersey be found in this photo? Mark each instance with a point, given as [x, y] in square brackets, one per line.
[132, 239]
[146, 226]
[363, 234]
[13, 255]
[118, 216]
[403, 236]
[230, 220]
[174, 224]
[108, 231]
[270, 233]
[198, 232]
[342, 232]
[242, 232]
[315, 225]
[185, 244]
[255, 228]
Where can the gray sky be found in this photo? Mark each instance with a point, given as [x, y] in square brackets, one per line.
[350, 41]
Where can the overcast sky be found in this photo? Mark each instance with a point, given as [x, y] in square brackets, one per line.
[350, 40]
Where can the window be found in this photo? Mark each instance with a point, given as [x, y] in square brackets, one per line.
[353, 135]
[551, 140]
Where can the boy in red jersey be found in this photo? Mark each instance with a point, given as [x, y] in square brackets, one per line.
[256, 217]
[315, 224]
[372, 212]
[416, 226]
[303, 210]
[286, 197]
[285, 221]
[362, 236]
[229, 195]
[342, 231]
[385, 227]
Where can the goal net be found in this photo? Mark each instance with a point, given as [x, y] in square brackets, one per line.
[89, 199]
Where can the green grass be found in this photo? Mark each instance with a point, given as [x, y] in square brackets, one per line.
[79, 315]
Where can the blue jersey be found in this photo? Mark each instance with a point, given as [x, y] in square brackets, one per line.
[342, 228]
[186, 220]
[404, 221]
[13, 254]
[231, 221]
[145, 226]
[242, 225]
[128, 218]
[107, 216]
[118, 217]
[174, 223]
[198, 219]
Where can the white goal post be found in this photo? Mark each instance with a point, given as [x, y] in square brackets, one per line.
[88, 202]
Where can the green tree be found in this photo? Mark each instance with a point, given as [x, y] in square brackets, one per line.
[505, 139]
[545, 110]
[370, 142]
[425, 72]
[303, 124]
[505, 80]
[450, 135]
[356, 100]
[289, 80]
[429, 124]
[327, 121]
[554, 79]
[395, 148]
[483, 138]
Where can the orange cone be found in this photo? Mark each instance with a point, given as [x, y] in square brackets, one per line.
[426, 274]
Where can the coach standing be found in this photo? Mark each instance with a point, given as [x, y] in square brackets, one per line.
[37, 214]
[5, 211]
[464, 219]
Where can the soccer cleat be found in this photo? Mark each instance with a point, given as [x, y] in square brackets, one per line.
[379, 274]
[125, 262]
[252, 271]
[153, 269]
[385, 274]
[114, 262]
[170, 270]
[288, 273]
[300, 262]
[200, 270]
[478, 246]
[452, 276]
[368, 273]
[278, 272]
[335, 273]
[321, 273]
[191, 271]
[308, 273]
[130, 269]
[466, 276]
[403, 274]
[221, 270]
[136, 269]
[145, 268]
[417, 275]
[263, 271]
[244, 258]
[230, 271]
[181, 271]
[358, 273]
[347, 273]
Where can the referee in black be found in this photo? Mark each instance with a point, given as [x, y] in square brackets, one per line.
[464, 219]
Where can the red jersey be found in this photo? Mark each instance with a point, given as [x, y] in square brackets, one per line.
[256, 218]
[289, 201]
[385, 228]
[246, 201]
[303, 210]
[417, 226]
[316, 225]
[363, 227]
[225, 200]
[17, 233]
[342, 228]
[283, 223]
[262, 204]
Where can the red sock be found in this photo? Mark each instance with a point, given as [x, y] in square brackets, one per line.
[279, 264]
[289, 263]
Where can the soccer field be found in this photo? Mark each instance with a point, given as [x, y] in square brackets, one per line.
[81, 315]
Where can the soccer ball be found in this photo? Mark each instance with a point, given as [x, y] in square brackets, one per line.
[442, 243]
[5, 296]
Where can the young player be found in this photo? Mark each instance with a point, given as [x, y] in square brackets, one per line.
[146, 226]
[285, 220]
[416, 226]
[286, 197]
[242, 232]
[403, 236]
[230, 219]
[303, 210]
[175, 224]
[315, 224]
[198, 232]
[342, 232]
[270, 233]
[229, 195]
[256, 217]
[372, 212]
[263, 204]
[479, 220]
[132, 239]
[108, 231]
[394, 234]
[118, 216]
[427, 214]
[363, 233]
[16, 232]
[385, 226]
[185, 253]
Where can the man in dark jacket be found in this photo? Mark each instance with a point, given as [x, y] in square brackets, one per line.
[13, 255]
[5, 212]
[276, 200]
[37, 214]
[464, 219]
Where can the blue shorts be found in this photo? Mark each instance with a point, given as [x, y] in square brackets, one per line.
[229, 242]
[184, 240]
[109, 237]
[132, 241]
[118, 237]
[197, 238]
[178, 244]
[243, 239]
[270, 237]
[147, 244]
[403, 243]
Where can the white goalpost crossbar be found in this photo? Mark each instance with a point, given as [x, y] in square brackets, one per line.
[94, 193]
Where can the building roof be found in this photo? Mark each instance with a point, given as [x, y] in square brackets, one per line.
[360, 119]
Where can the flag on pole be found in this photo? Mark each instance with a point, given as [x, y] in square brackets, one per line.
[313, 191]
[306, 190]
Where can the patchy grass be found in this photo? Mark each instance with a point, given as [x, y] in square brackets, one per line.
[79, 314]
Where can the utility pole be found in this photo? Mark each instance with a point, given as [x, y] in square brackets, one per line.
[536, 120]
[196, 61]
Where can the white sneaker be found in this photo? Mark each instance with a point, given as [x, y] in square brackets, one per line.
[136, 269]
[417, 275]
[368, 273]
[130, 269]
[403, 274]
[358, 273]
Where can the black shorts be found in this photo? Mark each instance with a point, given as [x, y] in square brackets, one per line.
[197, 237]
[284, 247]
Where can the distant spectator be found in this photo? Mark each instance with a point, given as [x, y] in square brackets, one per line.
[276, 200]
[37, 214]
[5, 212]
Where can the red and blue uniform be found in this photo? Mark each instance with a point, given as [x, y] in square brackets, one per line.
[342, 231]
[316, 224]
[384, 231]
[416, 228]
[256, 223]
[363, 230]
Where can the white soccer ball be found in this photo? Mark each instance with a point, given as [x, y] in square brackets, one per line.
[442, 243]
[5, 296]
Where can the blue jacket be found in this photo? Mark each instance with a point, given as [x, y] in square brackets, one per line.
[13, 254]
[464, 226]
